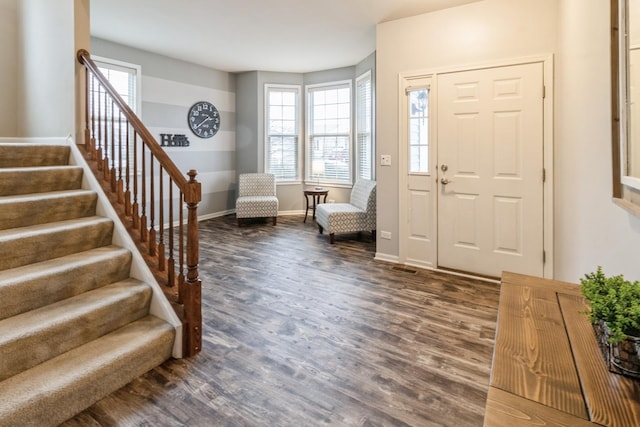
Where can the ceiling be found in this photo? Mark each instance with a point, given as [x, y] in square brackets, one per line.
[246, 35]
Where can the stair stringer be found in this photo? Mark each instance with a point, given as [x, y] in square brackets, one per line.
[160, 306]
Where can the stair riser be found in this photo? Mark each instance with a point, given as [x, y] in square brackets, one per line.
[22, 213]
[43, 397]
[20, 155]
[36, 247]
[17, 181]
[24, 289]
[53, 330]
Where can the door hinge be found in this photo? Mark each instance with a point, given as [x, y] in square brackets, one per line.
[544, 175]
[544, 256]
[544, 91]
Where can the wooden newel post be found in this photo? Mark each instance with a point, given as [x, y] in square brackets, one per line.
[192, 297]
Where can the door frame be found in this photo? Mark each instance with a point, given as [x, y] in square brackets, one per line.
[404, 80]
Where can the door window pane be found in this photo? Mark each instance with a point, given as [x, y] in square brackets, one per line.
[418, 130]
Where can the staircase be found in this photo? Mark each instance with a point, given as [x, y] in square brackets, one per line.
[74, 325]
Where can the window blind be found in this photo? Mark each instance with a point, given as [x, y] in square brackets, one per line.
[364, 145]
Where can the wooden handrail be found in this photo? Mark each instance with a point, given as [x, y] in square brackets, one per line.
[85, 58]
[103, 151]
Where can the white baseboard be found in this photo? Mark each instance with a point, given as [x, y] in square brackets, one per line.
[386, 257]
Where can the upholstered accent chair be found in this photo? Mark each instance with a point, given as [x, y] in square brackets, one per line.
[257, 197]
[357, 215]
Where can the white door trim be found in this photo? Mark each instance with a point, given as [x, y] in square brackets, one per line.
[548, 224]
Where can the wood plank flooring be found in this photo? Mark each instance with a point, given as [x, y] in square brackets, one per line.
[298, 332]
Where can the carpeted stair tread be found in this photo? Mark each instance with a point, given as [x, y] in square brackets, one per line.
[30, 209]
[39, 179]
[54, 391]
[27, 154]
[56, 328]
[35, 285]
[36, 243]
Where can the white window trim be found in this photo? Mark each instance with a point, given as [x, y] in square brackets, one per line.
[307, 165]
[298, 89]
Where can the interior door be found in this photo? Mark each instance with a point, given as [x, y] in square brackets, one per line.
[490, 170]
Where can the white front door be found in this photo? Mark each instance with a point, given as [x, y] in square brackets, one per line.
[490, 170]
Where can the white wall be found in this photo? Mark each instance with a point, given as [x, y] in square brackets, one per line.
[46, 68]
[8, 67]
[589, 229]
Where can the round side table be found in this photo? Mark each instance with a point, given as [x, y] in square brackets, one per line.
[315, 194]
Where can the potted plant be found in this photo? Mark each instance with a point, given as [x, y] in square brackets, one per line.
[615, 314]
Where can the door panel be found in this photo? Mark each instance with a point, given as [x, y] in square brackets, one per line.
[419, 211]
[490, 137]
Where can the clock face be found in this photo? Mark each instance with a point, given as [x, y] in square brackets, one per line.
[204, 119]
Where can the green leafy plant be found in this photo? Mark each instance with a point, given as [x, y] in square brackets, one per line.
[615, 301]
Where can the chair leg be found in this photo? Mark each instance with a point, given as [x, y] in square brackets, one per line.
[373, 235]
[275, 220]
[320, 229]
[331, 238]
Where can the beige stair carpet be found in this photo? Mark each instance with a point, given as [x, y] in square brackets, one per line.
[74, 326]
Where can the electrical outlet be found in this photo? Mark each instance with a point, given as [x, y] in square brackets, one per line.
[385, 235]
[385, 160]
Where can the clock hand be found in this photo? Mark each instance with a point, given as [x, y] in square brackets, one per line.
[202, 122]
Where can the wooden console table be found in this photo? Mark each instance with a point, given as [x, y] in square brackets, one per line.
[547, 367]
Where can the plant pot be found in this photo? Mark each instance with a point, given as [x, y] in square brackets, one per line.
[621, 358]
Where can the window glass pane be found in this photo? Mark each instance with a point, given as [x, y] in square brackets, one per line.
[419, 130]
[289, 112]
[288, 98]
[344, 96]
[275, 98]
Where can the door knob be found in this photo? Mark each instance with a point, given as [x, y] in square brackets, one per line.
[444, 181]
[444, 168]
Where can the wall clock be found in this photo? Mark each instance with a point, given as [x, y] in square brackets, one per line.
[204, 119]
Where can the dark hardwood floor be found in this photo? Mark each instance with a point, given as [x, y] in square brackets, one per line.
[298, 332]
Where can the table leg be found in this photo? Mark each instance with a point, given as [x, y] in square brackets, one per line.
[306, 198]
[314, 205]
